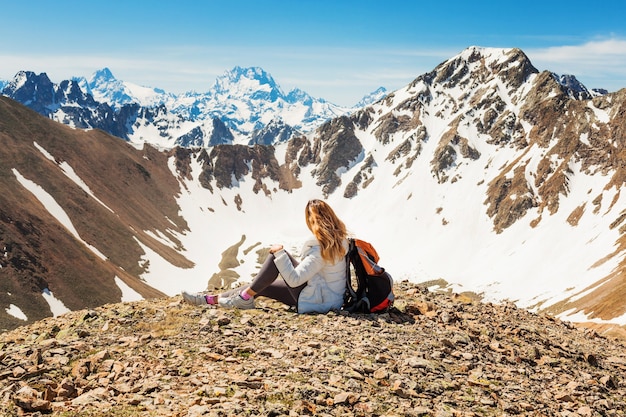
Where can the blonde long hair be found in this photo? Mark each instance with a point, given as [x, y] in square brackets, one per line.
[329, 231]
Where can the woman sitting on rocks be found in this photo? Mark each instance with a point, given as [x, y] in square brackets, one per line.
[316, 284]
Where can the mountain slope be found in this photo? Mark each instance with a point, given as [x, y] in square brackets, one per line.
[112, 196]
[484, 174]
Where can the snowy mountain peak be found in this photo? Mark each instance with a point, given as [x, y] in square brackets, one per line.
[492, 54]
[373, 97]
[252, 73]
[248, 99]
[117, 93]
[245, 100]
[105, 87]
[511, 66]
[103, 75]
[297, 95]
[575, 88]
[251, 82]
[28, 77]
[33, 90]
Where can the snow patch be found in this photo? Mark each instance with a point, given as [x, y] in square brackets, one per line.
[54, 209]
[602, 115]
[128, 294]
[71, 174]
[56, 306]
[16, 312]
[575, 316]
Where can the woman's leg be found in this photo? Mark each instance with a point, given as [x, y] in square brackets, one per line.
[280, 291]
[267, 285]
[266, 275]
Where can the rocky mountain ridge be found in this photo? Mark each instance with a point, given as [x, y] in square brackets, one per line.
[435, 354]
[484, 172]
[547, 141]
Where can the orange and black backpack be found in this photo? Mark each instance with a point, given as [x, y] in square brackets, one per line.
[373, 292]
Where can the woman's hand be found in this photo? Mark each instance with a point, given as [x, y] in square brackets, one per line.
[275, 248]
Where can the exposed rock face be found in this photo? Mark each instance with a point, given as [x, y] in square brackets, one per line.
[68, 104]
[510, 199]
[361, 179]
[274, 132]
[451, 145]
[231, 163]
[434, 354]
[220, 134]
[339, 149]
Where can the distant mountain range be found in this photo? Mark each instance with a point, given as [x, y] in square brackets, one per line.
[245, 105]
[483, 175]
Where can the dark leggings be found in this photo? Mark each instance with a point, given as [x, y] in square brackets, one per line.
[265, 283]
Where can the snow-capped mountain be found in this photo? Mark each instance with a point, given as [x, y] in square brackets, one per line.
[247, 99]
[66, 103]
[371, 98]
[105, 88]
[244, 100]
[483, 175]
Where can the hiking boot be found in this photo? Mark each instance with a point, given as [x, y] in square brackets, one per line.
[235, 301]
[197, 299]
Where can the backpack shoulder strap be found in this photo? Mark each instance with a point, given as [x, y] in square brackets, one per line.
[350, 296]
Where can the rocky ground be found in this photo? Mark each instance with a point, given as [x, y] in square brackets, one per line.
[436, 354]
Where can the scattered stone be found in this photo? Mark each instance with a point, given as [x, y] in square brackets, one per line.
[435, 354]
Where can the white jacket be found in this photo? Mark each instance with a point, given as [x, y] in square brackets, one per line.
[326, 283]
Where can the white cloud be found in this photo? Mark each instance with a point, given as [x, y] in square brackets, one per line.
[597, 63]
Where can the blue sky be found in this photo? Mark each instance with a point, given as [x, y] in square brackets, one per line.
[336, 50]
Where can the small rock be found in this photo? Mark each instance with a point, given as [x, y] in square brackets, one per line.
[223, 321]
[609, 381]
[564, 397]
[381, 373]
[341, 398]
[18, 372]
[32, 404]
[198, 410]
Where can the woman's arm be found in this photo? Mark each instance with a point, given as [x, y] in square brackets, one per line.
[275, 248]
[311, 264]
